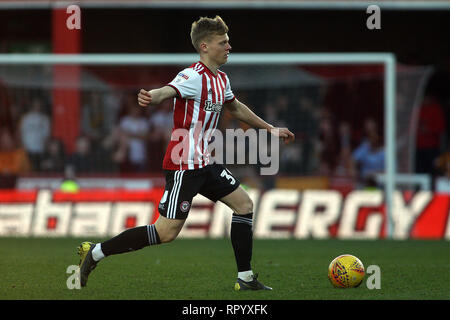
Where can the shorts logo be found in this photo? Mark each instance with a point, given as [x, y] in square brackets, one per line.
[163, 201]
[184, 206]
[164, 197]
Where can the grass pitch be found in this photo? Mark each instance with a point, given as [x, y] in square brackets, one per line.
[204, 269]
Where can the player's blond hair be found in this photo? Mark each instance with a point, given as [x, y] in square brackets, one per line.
[204, 28]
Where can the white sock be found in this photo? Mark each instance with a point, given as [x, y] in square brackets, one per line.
[245, 275]
[97, 252]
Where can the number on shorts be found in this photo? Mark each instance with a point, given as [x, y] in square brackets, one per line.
[228, 176]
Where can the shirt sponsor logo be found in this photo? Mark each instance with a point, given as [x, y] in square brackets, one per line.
[213, 107]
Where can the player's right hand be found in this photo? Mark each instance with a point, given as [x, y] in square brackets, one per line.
[144, 98]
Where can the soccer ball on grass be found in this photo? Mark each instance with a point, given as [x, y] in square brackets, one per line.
[346, 271]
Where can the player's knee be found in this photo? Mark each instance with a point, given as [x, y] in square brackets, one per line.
[168, 237]
[167, 234]
[168, 229]
[245, 206]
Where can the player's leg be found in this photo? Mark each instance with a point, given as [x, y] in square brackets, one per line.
[173, 208]
[168, 229]
[164, 230]
[241, 235]
[223, 186]
[239, 201]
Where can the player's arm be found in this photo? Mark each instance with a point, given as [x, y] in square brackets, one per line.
[155, 96]
[243, 113]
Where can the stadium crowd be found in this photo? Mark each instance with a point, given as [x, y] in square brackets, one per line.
[118, 137]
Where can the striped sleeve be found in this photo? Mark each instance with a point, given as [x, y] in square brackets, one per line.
[229, 95]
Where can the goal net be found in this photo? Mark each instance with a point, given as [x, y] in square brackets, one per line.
[78, 115]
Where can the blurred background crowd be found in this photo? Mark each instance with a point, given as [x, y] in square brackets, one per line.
[118, 137]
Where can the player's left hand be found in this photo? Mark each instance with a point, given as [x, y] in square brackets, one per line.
[284, 134]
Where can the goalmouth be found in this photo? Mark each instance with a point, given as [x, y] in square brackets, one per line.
[388, 60]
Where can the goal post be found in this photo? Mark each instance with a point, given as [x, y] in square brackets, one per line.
[388, 60]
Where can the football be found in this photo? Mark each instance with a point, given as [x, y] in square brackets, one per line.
[346, 271]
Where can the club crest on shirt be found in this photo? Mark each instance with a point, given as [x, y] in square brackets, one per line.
[213, 107]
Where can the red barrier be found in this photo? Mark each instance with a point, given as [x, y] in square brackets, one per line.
[278, 214]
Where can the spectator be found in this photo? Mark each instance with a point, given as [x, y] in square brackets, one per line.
[112, 102]
[114, 148]
[282, 105]
[54, 158]
[344, 165]
[430, 132]
[135, 128]
[93, 122]
[369, 156]
[161, 123]
[327, 144]
[83, 160]
[306, 126]
[13, 160]
[277, 113]
[291, 158]
[270, 112]
[34, 131]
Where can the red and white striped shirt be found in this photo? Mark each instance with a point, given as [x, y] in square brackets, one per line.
[197, 108]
